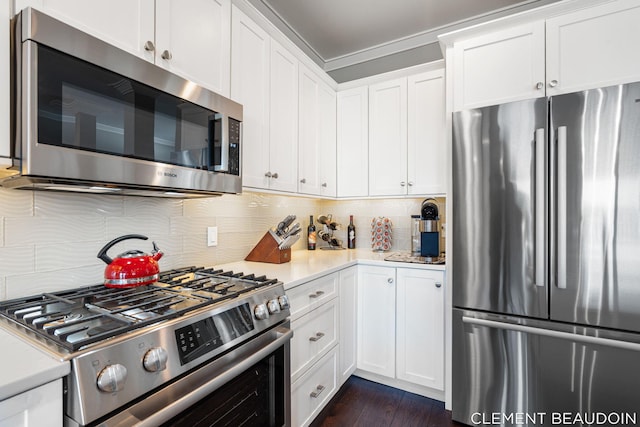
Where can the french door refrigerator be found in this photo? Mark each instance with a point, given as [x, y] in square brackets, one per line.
[546, 260]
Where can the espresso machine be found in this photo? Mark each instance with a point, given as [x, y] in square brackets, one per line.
[425, 237]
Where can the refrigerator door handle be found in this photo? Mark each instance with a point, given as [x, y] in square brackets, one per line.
[540, 207]
[585, 339]
[561, 206]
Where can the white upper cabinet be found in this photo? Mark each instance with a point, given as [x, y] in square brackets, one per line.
[583, 49]
[499, 67]
[189, 38]
[594, 47]
[193, 40]
[317, 135]
[283, 121]
[426, 134]
[388, 138]
[5, 84]
[353, 142]
[250, 52]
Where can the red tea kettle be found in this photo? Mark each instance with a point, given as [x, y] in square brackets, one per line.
[131, 268]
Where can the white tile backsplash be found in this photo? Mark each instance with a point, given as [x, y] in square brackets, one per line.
[49, 241]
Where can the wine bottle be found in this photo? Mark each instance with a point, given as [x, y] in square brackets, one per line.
[311, 235]
[351, 234]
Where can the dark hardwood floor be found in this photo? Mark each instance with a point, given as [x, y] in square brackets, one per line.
[368, 404]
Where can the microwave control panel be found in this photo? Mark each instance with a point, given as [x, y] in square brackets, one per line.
[234, 147]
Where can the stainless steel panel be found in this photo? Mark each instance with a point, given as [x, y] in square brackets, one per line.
[597, 232]
[507, 366]
[494, 204]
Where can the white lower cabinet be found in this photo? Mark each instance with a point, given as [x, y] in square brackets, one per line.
[401, 324]
[313, 390]
[38, 407]
[348, 282]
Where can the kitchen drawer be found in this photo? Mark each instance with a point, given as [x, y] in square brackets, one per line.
[310, 295]
[313, 334]
[314, 389]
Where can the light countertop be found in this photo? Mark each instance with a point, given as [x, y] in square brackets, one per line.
[25, 367]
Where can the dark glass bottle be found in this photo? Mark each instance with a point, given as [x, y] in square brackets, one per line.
[311, 235]
[351, 234]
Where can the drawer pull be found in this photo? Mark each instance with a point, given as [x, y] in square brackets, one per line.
[317, 294]
[316, 337]
[319, 389]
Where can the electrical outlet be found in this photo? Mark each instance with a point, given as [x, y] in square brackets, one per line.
[212, 236]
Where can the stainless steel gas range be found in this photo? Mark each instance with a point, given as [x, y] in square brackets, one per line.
[200, 344]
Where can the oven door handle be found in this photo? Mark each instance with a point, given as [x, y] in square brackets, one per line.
[165, 414]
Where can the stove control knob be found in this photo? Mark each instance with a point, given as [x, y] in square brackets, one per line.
[284, 302]
[155, 360]
[273, 306]
[112, 378]
[261, 312]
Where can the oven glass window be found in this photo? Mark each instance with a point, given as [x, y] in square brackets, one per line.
[86, 107]
[253, 398]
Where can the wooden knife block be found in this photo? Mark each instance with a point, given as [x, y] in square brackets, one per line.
[267, 250]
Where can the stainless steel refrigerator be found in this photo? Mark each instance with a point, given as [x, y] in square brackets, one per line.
[546, 260]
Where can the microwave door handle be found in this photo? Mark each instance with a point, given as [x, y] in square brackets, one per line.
[223, 165]
[540, 207]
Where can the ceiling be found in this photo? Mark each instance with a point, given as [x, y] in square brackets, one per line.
[354, 38]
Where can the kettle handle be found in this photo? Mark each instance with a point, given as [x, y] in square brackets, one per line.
[103, 252]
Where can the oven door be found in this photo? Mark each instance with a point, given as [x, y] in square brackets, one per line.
[249, 386]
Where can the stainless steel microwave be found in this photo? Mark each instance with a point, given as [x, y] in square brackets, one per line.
[88, 116]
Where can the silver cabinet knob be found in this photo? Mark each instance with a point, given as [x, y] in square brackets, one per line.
[553, 83]
[275, 175]
[261, 312]
[303, 181]
[112, 378]
[155, 360]
[438, 285]
[149, 46]
[402, 183]
[539, 85]
[389, 280]
[166, 55]
[268, 174]
[324, 184]
[410, 183]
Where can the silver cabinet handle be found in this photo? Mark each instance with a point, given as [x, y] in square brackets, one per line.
[317, 294]
[402, 183]
[268, 174]
[317, 391]
[316, 337]
[324, 184]
[275, 175]
[303, 181]
[539, 85]
[389, 280]
[561, 209]
[149, 46]
[166, 55]
[553, 83]
[438, 285]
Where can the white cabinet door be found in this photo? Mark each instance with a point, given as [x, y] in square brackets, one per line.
[251, 49]
[594, 47]
[308, 143]
[327, 139]
[5, 84]
[193, 40]
[376, 320]
[388, 138]
[348, 309]
[38, 407]
[127, 24]
[283, 120]
[420, 327]
[499, 67]
[426, 134]
[353, 142]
